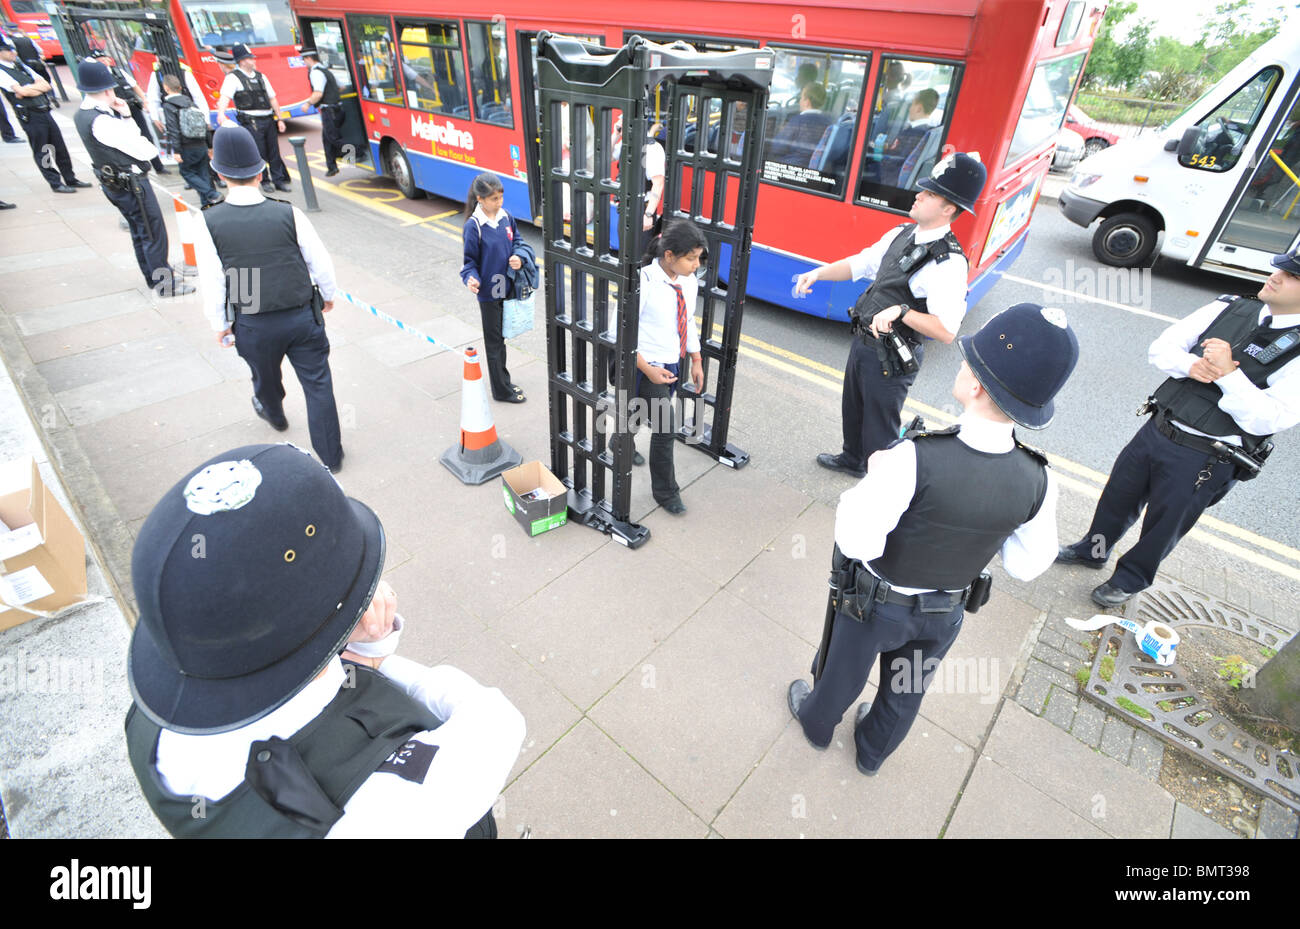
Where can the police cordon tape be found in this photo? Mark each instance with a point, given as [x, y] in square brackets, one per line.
[1157, 639]
[392, 320]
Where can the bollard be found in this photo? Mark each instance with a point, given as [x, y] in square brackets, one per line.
[304, 173]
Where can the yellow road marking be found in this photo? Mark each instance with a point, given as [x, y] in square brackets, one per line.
[430, 219]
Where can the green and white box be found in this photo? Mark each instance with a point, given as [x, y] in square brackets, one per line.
[536, 496]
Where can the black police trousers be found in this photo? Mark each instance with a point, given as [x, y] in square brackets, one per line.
[1157, 472]
[871, 405]
[267, 136]
[148, 233]
[910, 645]
[48, 149]
[6, 129]
[263, 340]
[330, 136]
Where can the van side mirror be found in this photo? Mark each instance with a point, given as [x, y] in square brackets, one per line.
[1190, 141]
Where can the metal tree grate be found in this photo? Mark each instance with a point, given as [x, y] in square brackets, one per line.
[1177, 713]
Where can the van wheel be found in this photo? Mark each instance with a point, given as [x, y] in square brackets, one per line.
[1126, 240]
[398, 168]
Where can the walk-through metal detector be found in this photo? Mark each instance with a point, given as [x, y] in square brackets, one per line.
[592, 288]
[73, 21]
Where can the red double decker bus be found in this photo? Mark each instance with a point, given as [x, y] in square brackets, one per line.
[195, 27]
[866, 98]
[31, 18]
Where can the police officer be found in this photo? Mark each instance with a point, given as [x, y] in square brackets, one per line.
[245, 717]
[28, 95]
[128, 89]
[913, 537]
[258, 261]
[1233, 371]
[255, 110]
[120, 157]
[30, 55]
[919, 289]
[325, 97]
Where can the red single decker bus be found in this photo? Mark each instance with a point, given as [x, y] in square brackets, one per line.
[866, 98]
[197, 26]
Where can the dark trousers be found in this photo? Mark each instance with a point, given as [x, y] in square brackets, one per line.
[872, 404]
[661, 411]
[6, 128]
[263, 340]
[330, 136]
[267, 137]
[148, 233]
[48, 150]
[910, 644]
[196, 169]
[494, 348]
[137, 114]
[1161, 474]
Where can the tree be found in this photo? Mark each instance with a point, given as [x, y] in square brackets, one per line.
[1101, 64]
[1277, 687]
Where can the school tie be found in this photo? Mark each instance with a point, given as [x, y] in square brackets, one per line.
[681, 319]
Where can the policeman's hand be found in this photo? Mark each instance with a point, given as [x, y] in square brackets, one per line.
[158, 125]
[472, 284]
[1219, 354]
[516, 262]
[884, 320]
[223, 335]
[329, 305]
[279, 123]
[804, 284]
[121, 106]
[647, 221]
[1201, 370]
[376, 623]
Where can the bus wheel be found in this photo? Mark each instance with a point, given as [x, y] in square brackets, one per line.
[398, 168]
[1126, 240]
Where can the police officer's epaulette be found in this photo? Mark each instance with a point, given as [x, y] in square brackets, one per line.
[926, 433]
[1033, 451]
[1227, 298]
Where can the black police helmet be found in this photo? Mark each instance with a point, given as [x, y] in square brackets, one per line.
[960, 178]
[1022, 357]
[93, 77]
[240, 52]
[309, 51]
[1289, 261]
[235, 154]
[249, 574]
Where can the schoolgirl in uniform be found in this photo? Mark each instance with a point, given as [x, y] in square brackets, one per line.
[490, 237]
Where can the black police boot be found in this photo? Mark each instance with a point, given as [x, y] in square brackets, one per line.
[836, 463]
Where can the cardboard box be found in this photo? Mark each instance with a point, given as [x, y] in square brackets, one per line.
[42, 553]
[539, 500]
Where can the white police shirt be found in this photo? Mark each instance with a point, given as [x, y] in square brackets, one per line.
[941, 283]
[868, 512]
[231, 86]
[477, 746]
[119, 132]
[657, 337]
[1257, 411]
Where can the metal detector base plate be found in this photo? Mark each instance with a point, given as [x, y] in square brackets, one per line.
[583, 510]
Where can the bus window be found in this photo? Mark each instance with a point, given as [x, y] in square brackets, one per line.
[909, 122]
[249, 22]
[25, 6]
[489, 73]
[433, 68]
[1050, 90]
[1070, 22]
[812, 117]
[1268, 216]
[372, 50]
[1225, 131]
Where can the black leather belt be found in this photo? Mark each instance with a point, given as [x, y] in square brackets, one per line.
[933, 601]
[1180, 437]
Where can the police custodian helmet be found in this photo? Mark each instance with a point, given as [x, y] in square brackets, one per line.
[1022, 357]
[235, 154]
[959, 178]
[249, 574]
[93, 77]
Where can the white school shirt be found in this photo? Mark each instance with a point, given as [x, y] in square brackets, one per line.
[657, 338]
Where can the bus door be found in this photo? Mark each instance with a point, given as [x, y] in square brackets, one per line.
[135, 39]
[532, 153]
[1265, 220]
[327, 35]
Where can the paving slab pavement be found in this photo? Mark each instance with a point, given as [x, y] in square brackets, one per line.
[653, 681]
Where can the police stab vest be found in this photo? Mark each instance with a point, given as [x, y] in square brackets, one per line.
[1196, 405]
[330, 95]
[254, 95]
[949, 534]
[295, 788]
[23, 105]
[124, 90]
[260, 240]
[892, 285]
[102, 155]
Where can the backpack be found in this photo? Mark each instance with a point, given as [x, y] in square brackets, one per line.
[194, 125]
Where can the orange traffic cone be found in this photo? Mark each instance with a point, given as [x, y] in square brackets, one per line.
[480, 455]
[183, 221]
